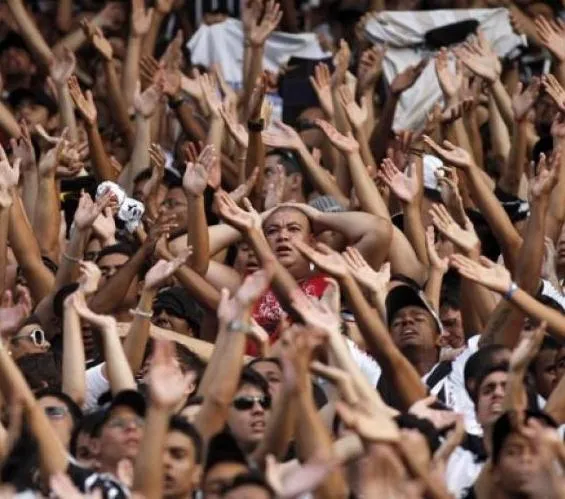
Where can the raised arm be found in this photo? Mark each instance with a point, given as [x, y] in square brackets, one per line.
[8, 181]
[61, 69]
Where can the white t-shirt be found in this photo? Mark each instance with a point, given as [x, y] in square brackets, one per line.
[96, 385]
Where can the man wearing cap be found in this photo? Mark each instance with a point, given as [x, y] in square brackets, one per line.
[176, 310]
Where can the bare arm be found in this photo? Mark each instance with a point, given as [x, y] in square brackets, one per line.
[73, 369]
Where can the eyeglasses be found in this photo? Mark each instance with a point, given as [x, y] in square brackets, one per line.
[37, 336]
[246, 402]
[55, 412]
[124, 423]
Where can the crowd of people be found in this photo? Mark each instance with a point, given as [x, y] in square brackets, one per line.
[264, 288]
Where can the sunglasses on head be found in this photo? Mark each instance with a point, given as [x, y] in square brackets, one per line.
[246, 402]
[56, 412]
[37, 336]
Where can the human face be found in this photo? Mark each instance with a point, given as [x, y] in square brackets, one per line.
[545, 371]
[181, 473]
[413, 326]
[120, 437]
[59, 417]
[271, 165]
[32, 113]
[519, 470]
[110, 264]
[86, 453]
[220, 476]
[245, 260]
[248, 425]
[175, 202]
[30, 339]
[16, 62]
[491, 398]
[249, 491]
[452, 327]
[173, 323]
[272, 373]
[282, 229]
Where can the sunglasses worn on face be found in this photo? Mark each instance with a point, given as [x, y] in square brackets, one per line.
[246, 402]
[55, 412]
[37, 336]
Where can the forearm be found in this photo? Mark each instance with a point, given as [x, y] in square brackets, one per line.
[110, 296]
[499, 136]
[530, 306]
[396, 367]
[150, 39]
[511, 176]
[138, 335]
[255, 68]
[198, 233]
[64, 15]
[130, 73]
[478, 306]
[148, 470]
[8, 123]
[340, 170]
[73, 369]
[503, 103]
[47, 218]
[29, 32]
[515, 398]
[26, 250]
[77, 38]
[67, 112]
[380, 136]
[99, 159]
[415, 232]
[119, 373]
[364, 149]
[555, 406]
[320, 179]
[222, 236]
[433, 287]
[188, 122]
[474, 134]
[256, 158]
[117, 104]
[140, 153]
[68, 266]
[29, 192]
[556, 212]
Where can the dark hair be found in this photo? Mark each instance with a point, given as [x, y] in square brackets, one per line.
[272, 360]
[74, 410]
[119, 248]
[193, 400]
[251, 478]
[178, 423]
[89, 424]
[143, 175]
[292, 165]
[40, 371]
[477, 361]
[253, 378]
[483, 374]
[450, 299]
[406, 280]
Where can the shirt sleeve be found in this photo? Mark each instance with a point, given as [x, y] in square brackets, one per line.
[96, 385]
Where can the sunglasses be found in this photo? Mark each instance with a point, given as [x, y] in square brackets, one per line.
[55, 412]
[246, 402]
[37, 336]
[124, 423]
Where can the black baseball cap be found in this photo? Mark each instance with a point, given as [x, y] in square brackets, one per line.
[406, 296]
[176, 301]
[127, 398]
[223, 448]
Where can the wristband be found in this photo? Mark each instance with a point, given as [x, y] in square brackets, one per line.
[511, 290]
[256, 125]
[238, 327]
[141, 313]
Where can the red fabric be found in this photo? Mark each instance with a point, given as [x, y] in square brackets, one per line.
[268, 311]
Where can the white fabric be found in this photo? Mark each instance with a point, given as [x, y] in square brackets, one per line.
[365, 362]
[462, 471]
[222, 44]
[404, 34]
[96, 385]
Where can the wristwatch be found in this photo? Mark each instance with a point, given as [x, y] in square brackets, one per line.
[238, 326]
[256, 125]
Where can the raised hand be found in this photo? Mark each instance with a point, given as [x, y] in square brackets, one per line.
[324, 258]
[364, 273]
[113, 16]
[62, 67]
[456, 156]
[167, 384]
[356, 114]
[493, 276]
[370, 67]
[465, 238]
[243, 190]
[104, 227]
[322, 84]
[365, 425]
[237, 217]
[448, 183]
[22, 148]
[554, 89]
[441, 419]
[478, 56]
[449, 82]
[210, 93]
[195, 179]
[149, 71]
[236, 130]
[89, 277]
[552, 35]
[50, 160]
[157, 161]
[260, 31]
[12, 314]
[97, 39]
[547, 176]
[283, 136]
[404, 80]
[87, 210]
[440, 264]
[404, 187]
[9, 176]
[527, 348]
[211, 162]
[341, 62]
[522, 102]
[140, 18]
[164, 6]
[146, 103]
[275, 188]
[345, 143]
[83, 102]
